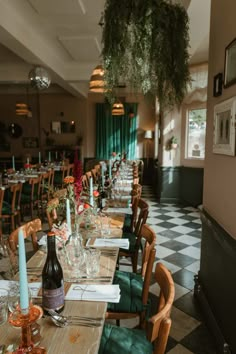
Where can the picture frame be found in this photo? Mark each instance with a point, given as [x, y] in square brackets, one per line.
[217, 85]
[30, 143]
[224, 127]
[230, 64]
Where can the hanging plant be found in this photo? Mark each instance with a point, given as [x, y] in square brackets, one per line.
[146, 44]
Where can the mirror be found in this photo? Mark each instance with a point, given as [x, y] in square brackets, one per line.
[14, 130]
[63, 127]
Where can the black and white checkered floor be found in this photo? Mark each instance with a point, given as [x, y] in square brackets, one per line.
[178, 231]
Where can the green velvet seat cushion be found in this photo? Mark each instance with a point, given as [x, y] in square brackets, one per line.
[131, 287]
[57, 177]
[127, 223]
[120, 340]
[26, 198]
[6, 208]
[26, 188]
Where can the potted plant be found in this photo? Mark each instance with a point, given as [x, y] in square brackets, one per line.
[145, 44]
[172, 143]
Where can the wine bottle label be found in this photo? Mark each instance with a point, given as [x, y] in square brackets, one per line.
[53, 299]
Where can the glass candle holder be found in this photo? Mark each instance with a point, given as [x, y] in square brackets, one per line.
[25, 322]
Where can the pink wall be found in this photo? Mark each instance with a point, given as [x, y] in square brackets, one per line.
[220, 170]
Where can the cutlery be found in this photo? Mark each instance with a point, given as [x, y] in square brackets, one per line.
[63, 321]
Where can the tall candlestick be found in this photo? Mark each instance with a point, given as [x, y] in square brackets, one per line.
[110, 169]
[27, 161]
[91, 200]
[39, 157]
[49, 156]
[56, 155]
[24, 296]
[91, 186]
[68, 217]
[13, 163]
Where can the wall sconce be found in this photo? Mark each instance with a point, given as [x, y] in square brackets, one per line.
[147, 138]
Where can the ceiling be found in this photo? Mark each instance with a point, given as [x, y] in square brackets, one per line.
[65, 37]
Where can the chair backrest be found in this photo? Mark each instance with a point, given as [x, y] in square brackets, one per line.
[148, 234]
[60, 193]
[35, 187]
[70, 169]
[88, 175]
[94, 173]
[51, 211]
[16, 190]
[142, 217]
[158, 326]
[45, 188]
[29, 229]
[2, 191]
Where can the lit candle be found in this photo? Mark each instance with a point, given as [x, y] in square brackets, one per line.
[110, 169]
[91, 186]
[49, 156]
[68, 218]
[24, 296]
[27, 161]
[56, 155]
[39, 157]
[13, 162]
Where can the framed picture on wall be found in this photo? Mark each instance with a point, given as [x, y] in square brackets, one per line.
[224, 127]
[230, 64]
[217, 85]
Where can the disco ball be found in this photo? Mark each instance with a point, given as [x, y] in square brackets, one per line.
[39, 78]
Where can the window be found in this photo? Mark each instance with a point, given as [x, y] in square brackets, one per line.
[195, 134]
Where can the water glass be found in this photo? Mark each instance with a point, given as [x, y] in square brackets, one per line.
[105, 226]
[92, 262]
[3, 306]
[14, 297]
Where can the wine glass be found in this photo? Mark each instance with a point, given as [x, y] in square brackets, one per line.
[14, 297]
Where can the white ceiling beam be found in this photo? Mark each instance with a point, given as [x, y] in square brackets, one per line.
[16, 35]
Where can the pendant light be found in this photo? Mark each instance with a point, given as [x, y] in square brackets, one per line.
[22, 109]
[96, 83]
[118, 108]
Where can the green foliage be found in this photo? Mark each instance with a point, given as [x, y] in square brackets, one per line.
[145, 43]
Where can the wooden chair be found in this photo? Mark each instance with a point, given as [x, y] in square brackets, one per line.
[60, 193]
[30, 197]
[130, 220]
[70, 169]
[95, 175]
[29, 229]
[46, 189]
[154, 339]
[51, 211]
[60, 175]
[11, 209]
[135, 287]
[135, 237]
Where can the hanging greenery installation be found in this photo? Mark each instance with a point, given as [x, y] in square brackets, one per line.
[145, 44]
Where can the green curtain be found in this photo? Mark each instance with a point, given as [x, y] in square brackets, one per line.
[116, 133]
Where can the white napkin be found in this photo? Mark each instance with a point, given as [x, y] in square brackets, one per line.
[43, 241]
[31, 176]
[107, 293]
[114, 242]
[13, 181]
[119, 210]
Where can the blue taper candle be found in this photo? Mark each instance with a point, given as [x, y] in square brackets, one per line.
[68, 217]
[24, 295]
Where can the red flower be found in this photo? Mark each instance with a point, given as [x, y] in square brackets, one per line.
[27, 165]
[95, 193]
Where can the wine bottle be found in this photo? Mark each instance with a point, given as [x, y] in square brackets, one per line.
[52, 279]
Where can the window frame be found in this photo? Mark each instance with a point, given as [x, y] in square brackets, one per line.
[190, 161]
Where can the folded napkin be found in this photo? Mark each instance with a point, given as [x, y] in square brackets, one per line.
[107, 293]
[31, 176]
[114, 242]
[43, 241]
[119, 210]
[13, 181]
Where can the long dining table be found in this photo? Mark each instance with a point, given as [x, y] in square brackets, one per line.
[72, 339]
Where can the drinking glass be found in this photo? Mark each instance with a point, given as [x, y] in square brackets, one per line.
[14, 297]
[105, 226]
[3, 306]
[92, 262]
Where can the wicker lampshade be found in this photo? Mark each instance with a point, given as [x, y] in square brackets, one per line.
[96, 83]
[22, 109]
[118, 109]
